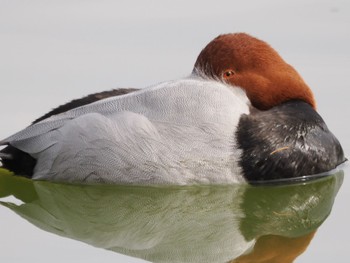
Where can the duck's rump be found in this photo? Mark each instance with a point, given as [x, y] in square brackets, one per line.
[20, 162]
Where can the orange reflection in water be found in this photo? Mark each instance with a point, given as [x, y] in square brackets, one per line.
[276, 249]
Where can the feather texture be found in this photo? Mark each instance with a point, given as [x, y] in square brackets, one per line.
[175, 132]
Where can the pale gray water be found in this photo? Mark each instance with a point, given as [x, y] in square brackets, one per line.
[53, 51]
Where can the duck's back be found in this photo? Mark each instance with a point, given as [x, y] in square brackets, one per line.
[183, 128]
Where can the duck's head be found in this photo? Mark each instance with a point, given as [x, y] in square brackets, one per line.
[253, 65]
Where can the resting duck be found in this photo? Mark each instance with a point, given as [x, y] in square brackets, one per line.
[243, 115]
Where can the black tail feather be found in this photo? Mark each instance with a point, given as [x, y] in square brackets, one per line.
[17, 161]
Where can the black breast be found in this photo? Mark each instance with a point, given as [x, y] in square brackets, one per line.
[287, 141]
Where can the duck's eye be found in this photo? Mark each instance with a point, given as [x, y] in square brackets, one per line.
[228, 73]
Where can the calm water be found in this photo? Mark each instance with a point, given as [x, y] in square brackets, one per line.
[236, 223]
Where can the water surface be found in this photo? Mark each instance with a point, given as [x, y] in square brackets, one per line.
[234, 223]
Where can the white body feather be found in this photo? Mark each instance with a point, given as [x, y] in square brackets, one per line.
[176, 132]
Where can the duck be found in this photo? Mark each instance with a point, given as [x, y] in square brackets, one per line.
[243, 115]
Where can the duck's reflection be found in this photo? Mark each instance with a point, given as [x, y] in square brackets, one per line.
[236, 223]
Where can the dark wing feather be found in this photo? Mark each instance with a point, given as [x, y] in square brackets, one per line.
[84, 101]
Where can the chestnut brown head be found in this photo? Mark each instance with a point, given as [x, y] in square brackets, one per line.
[247, 62]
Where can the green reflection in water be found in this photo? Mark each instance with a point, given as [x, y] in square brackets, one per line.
[238, 223]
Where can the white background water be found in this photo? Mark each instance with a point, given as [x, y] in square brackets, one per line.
[54, 51]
